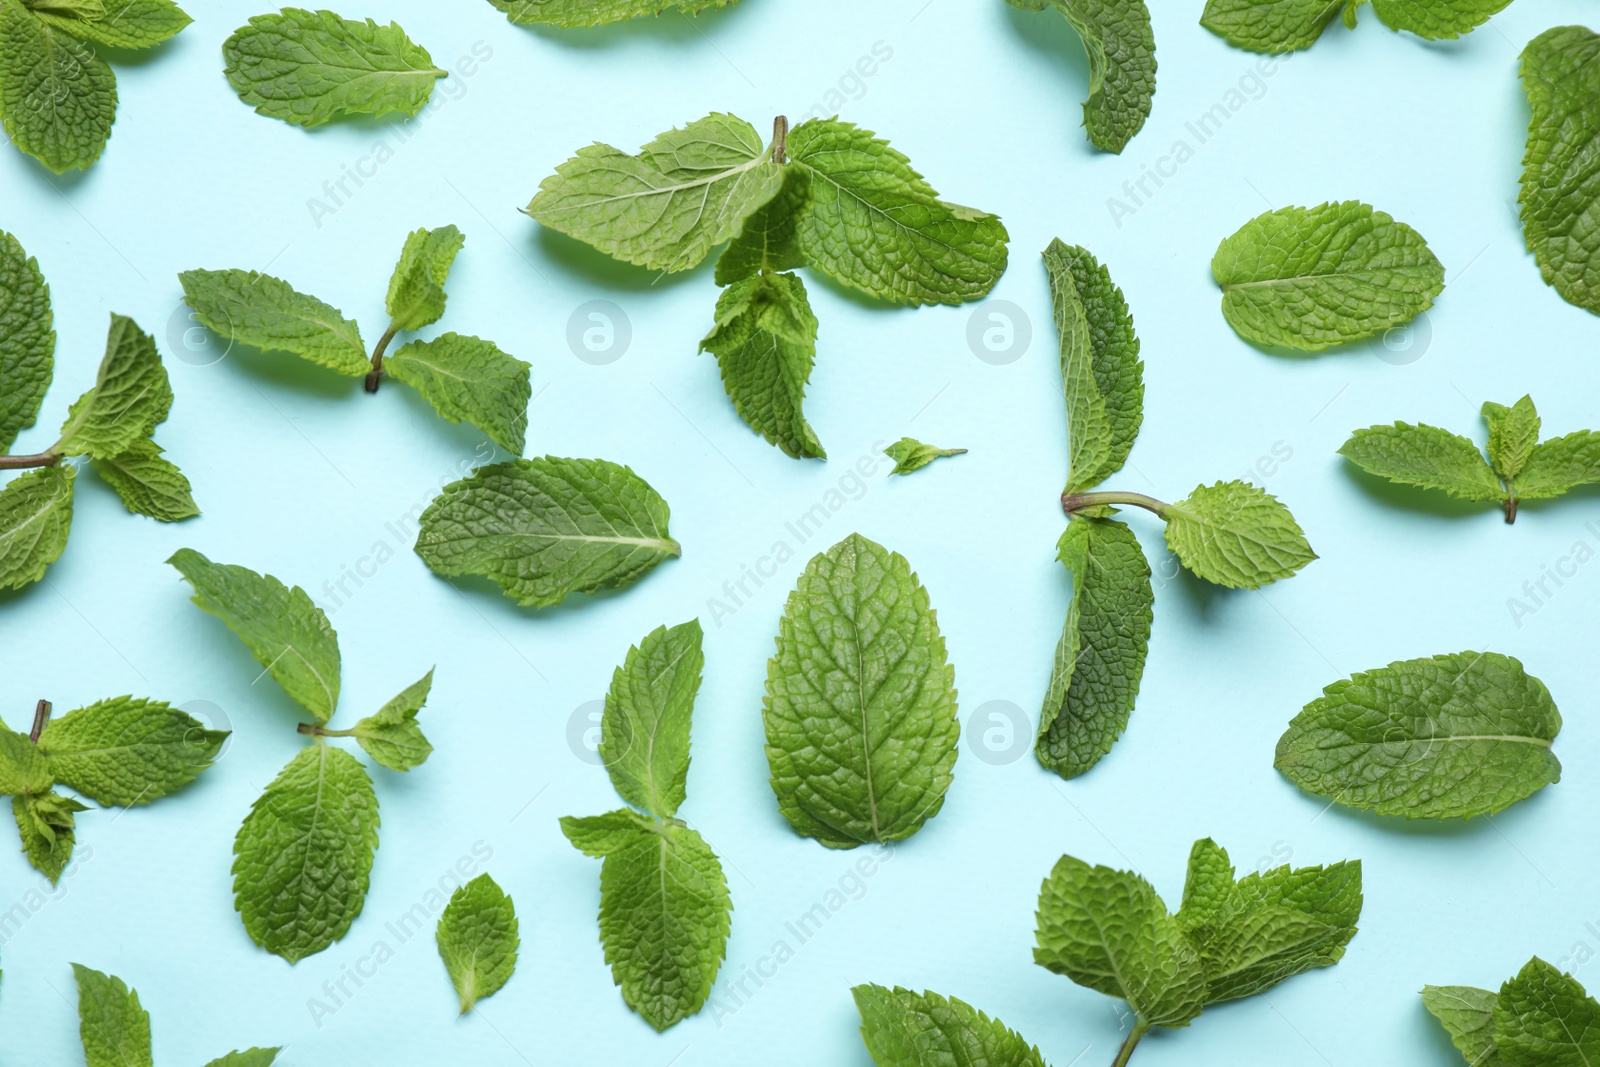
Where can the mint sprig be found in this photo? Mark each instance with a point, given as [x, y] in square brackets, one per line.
[115, 1028]
[1121, 47]
[1542, 1016]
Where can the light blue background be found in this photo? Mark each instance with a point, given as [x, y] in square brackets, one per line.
[298, 473]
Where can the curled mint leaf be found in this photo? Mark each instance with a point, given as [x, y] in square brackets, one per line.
[770, 240]
[906, 1029]
[910, 455]
[477, 939]
[416, 290]
[27, 339]
[1122, 64]
[45, 821]
[579, 13]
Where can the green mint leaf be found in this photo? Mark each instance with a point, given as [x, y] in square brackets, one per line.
[416, 290]
[573, 14]
[264, 312]
[1236, 535]
[130, 24]
[27, 339]
[543, 529]
[1441, 737]
[1272, 26]
[861, 703]
[1109, 931]
[303, 856]
[1122, 67]
[1100, 658]
[1467, 1014]
[1437, 19]
[84, 10]
[147, 483]
[1312, 278]
[286, 633]
[467, 379]
[1513, 431]
[765, 341]
[130, 398]
[23, 768]
[1208, 887]
[35, 517]
[1101, 372]
[877, 226]
[1561, 77]
[906, 1029]
[1560, 464]
[477, 938]
[909, 454]
[644, 731]
[770, 240]
[58, 98]
[254, 1057]
[115, 1030]
[45, 821]
[124, 751]
[664, 911]
[310, 67]
[1543, 1018]
[392, 736]
[684, 193]
[1426, 457]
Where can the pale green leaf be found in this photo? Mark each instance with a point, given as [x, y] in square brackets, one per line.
[906, 1029]
[1271, 26]
[130, 397]
[644, 731]
[477, 938]
[131, 24]
[1426, 457]
[578, 13]
[35, 516]
[1560, 183]
[1543, 1018]
[264, 312]
[114, 1028]
[467, 379]
[392, 736]
[1467, 1014]
[910, 455]
[58, 98]
[1513, 431]
[254, 1057]
[27, 341]
[770, 240]
[416, 290]
[126, 751]
[1236, 535]
[46, 823]
[1560, 464]
[147, 483]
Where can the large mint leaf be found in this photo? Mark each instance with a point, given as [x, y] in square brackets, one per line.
[578, 13]
[147, 483]
[1441, 737]
[1467, 1014]
[684, 193]
[1122, 65]
[264, 312]
[770, 240]
[35, 517]
[126, 751]
[477, 938]
[131, 24]
[861, 704]
[1236, 535]
[416, 290]
[1560, 189]
[130, 397]
[543, 529]
[906, 1029]
[58, 98]
[303, 856]
[286, 633]
[1543, 1018]
[644, 731]
[114, 1028]
[1426, 457]
[27, 341]
[467, 379]
[1272, 26]
[1437, 19]
[1311, 278]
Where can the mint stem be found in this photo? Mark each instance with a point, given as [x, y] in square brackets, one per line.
[1125, 1053]
[41, 716]
[1511, 509]
[377, 358]
[316, 729]
[1072, 502]
[780, 139]
[37, 459]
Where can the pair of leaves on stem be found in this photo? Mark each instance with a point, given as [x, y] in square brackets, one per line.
[118, 753]
[1540, 1018]
[466, 379]
[310, 67]
[110, 424]
[115, 1028]
[1108, 930]
[1311, 278]
[1122, 64]
[478, 940]
[303, 856]
[1520, 466]
[1230, 533]
[664, 904]
[1561, 78]
[1278, 26]
[570, 14]
[828, 195]
[58, 97]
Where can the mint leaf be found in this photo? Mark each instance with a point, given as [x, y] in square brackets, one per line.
[909, 454]
[765, 341]
[416, 290]
[1543, 1018]
[114, 1028]
[1101, 372]
[1100, 658]
[1311, 278]
[255, 1057]
[130, 398]
[27, 341]
[310, 67]
[1513, 431]
[1560, 464]
[45, 821]
[130, 24]
[1441, 737]
[1426, 457]
[543, 529]
[23, 768]
[1122, 65]
[469, 380]
[579, 13]
[1236, 535]
[58, 98]
[303, 856]
[664, 911]
[392, 736]
[286, 633]
[644, 731]
[35, 516]
[684, 193]
[1108, 931]
[147, 483]
[1437, 19]
[861, 704]
[877, 226]
[1467, 1014]
[1272, 26]
[477, 938]
[265, 313]
[906, 1029]
[125, 751]
[770, 240]
[1561, 77]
